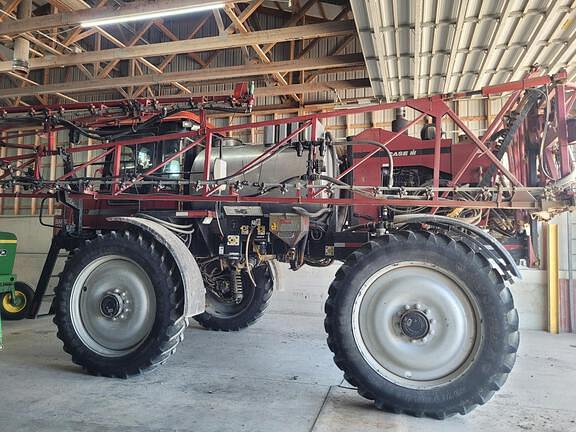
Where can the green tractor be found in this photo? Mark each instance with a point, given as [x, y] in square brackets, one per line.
[15, 297]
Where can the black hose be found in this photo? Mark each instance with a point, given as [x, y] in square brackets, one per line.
[112, 137]
[380, 145]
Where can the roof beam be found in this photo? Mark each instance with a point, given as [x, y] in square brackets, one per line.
[210, 74]
[343, 15]
[396, 21]
[473, 42]
[533, 50]
[330, 86]
[168, 59]
[500, 27]
[417, 47]
[325, 86]
[77, 17]
[241, 28]
[455, 43]
[246, 13]
[366, 24]
[293, 21]
[435, 31]
[108, 68]
[162, 27]
[202, 44]
[9, 8]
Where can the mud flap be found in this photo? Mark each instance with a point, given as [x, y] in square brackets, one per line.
[194, 291]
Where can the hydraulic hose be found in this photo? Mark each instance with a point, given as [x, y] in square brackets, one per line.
[381, 146]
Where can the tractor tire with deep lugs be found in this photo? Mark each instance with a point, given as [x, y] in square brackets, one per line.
[422, 324]
[227, 316]
[119, 305]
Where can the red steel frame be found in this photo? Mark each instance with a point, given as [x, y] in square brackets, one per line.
[435, 106]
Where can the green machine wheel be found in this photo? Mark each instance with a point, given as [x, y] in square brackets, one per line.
[15, 297]
[15, 304]
[8, 243]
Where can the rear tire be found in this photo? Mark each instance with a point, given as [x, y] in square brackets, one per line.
[227, 316]
[422, 324]
[119, 305]
[13, 311]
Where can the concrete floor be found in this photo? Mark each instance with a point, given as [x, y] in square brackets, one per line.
[276, 376]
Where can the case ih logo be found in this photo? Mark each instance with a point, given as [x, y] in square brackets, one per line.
[404, 153]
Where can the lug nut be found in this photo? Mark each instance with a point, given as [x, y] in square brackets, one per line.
[418, 306]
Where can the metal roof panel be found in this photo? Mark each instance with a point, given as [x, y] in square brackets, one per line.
[419, 47]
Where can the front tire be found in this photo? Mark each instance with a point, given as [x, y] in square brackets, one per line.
[119, 305]
[422, 324]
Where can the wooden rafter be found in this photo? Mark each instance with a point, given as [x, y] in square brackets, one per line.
[8, 9]
[167, 60]
[110, 66]
[210, 74]
[341, 16]
[241, 27]
[79, 16]
[214, 43]
[293, 21]
[64, 44]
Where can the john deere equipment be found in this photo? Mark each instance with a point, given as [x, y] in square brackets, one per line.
[16, 297]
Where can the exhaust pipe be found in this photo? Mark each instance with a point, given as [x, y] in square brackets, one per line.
[22, 45]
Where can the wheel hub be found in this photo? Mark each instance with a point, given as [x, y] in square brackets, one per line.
[14, 304]
[111, 305]
[414, 324]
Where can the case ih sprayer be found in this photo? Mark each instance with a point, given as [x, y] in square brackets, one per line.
[167, 218]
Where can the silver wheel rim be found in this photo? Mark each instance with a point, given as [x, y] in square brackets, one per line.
[421, 289]
[119, 330]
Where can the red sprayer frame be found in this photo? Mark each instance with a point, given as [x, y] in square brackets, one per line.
[520, 195]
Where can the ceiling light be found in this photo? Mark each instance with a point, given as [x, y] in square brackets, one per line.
[150, 15]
